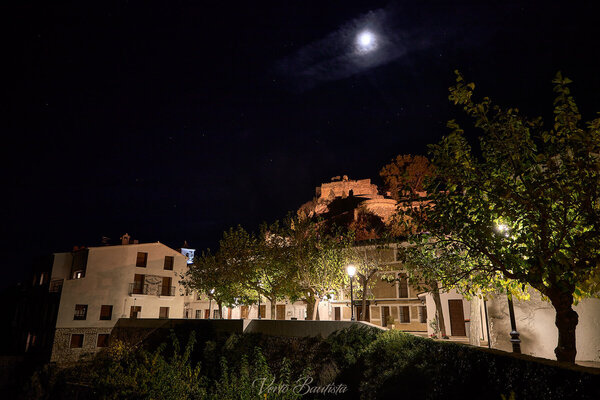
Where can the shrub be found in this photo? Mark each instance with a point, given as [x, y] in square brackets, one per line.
[398, 363]
[347, 345]
[129, 373]
[250, 379]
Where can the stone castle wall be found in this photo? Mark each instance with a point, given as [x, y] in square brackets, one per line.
[361, 187]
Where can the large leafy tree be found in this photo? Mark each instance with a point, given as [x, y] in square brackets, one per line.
[319, 255]
[245, 267]
[371, 262]
[209, 276]
[522, 209]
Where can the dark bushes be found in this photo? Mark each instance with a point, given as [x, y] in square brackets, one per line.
[401, 364]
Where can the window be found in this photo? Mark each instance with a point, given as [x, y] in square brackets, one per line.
[80, 311]
[198, 314]
[142, 259]
[402, 286]
[106, 312]
[77, 341]
[102, 340]
[169, 260]
[404, 314]
[164, 312]
[139, 286]
[166, 288]
[56, 285]
[216, 314]
[135, 312]
[423, 314]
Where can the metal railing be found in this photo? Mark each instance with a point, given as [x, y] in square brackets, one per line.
[142, 288]
[138, 288]
[167, 291]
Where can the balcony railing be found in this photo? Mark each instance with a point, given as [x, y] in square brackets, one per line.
[144, 288]
[167, 291]
[138, 288]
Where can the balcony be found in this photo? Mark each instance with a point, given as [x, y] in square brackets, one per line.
[152, 290]
[138, 288]
[167, 291]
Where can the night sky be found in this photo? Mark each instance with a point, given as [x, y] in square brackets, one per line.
[175, 120]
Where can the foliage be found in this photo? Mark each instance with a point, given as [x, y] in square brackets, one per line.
[252, 380]
[129, 373]
[210, 277]
[406, 175]
[428, 369]
[318, 258]
[372, 262]
[246, 266]
[524, 212]
[373, 364]
[348, 345]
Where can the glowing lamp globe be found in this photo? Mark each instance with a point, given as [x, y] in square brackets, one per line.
[351, 270]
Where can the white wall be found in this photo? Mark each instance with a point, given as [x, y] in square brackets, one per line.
[109, 272]
[538, 333]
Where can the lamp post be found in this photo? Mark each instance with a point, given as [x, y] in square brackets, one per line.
[514, 335]
[212, 291]
[351, 272]
[259, 306]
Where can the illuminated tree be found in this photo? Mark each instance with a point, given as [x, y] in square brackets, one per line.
[523, 209]
[406, 174]
[318, 257]
[210, 277]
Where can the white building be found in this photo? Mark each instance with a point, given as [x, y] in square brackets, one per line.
[102, 284]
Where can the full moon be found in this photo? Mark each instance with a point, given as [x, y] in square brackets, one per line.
[365, 41]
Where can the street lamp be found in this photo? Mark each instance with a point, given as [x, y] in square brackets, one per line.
[514, 334]
[351, 272]
[259, 306]
[212, 291]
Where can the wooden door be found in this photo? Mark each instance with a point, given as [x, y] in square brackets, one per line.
[244, 312]
[457, 318]
[229, 313]
[280, 311]
[135, 312]
[138, 283]
[206, 314]
[336, 313]
[385, 315]
[365, 317]
[166, 286]
[263, 311]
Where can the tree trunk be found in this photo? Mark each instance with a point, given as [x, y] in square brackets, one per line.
[273, 303]
[363, 307]
[435, 292]
[310, 307]
[566, 322]
[220, 304]
[315, 316]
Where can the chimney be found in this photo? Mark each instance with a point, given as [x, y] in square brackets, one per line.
[125, 239]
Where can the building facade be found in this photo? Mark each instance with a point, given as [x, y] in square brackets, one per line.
[99, 285]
